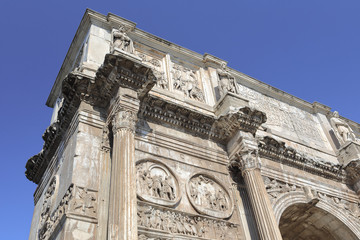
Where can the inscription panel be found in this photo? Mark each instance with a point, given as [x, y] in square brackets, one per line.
[283, 117]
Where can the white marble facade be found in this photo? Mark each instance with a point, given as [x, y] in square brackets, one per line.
[181, 150]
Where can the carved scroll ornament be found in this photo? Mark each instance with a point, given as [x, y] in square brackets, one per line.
[208, 196]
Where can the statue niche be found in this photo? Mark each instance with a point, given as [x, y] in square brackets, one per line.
[209, 197]
[156, 183]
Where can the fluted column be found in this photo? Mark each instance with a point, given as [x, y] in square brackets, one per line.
[122, 209]
[245, 157]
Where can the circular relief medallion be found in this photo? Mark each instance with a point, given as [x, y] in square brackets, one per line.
[208, 196]
[156, 183]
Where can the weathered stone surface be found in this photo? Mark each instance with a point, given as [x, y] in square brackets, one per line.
[149, 140]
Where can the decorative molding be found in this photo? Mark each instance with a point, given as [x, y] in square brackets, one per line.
[124, 120]
[275, 188]
[156, 183]
[208, 196]
[279, 152]
[116, 71]
[207, 126]
[278, 191]
[78, 202]
[169, 223]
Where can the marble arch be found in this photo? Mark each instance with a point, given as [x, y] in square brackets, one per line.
[288, 200]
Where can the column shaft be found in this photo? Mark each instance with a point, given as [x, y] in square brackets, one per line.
[264, 216]
[122, 208]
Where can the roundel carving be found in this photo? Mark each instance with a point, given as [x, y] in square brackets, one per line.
[156, 183]
[208, 196]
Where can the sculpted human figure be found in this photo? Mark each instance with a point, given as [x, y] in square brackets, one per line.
[122, 41]
[157, 186]
[342, 129]
[226, 81]
[221, 201]
[168, 190]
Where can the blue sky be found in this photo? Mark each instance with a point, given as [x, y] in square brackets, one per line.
[307, 48]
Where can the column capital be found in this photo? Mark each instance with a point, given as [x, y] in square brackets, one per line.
[124, 120]
[243, 152]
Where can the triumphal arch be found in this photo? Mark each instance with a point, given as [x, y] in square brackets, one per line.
[149, 140]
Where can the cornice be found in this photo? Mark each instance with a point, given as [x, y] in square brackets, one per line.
[115, 72]
[279, 152]
[111, 20]
[219, 128]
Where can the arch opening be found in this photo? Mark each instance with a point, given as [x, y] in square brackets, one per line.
[304, 221]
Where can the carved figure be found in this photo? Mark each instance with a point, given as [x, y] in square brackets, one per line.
[185, 81]
[157, 187]
[156, 184]
[221, 200]
[122, 41]
[207, 194]
[226, 80]
[167, 190]
[342, 130]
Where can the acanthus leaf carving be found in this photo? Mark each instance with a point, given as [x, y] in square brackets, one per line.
[124, 120]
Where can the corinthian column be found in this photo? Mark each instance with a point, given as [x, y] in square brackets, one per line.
[244, 152]
[123, 209]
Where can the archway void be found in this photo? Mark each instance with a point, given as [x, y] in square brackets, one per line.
[307, 222]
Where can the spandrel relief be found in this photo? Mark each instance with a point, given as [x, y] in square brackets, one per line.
[209, 197]
[157, 184]
[185, 80]
[158, 69]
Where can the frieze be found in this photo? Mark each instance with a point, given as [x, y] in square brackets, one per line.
[208, 126]
[185, 80]
[165, 223]
[77, 202]
[156, 183]
[278, 151]
[156, 66]
[208, 196]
